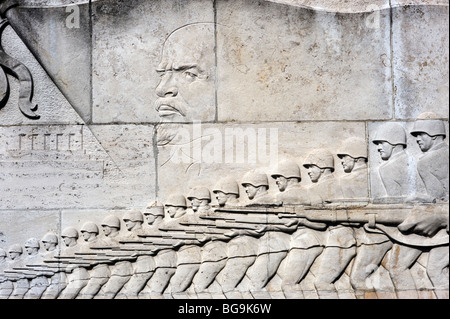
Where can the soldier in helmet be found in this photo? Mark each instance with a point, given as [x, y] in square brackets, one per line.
[325, 188]
[371, 247]
[58, 281]
[353, 155]
[20, 282]
[339, 240]
[144, 266]
[256, 186]
[189, 256]
[391, 143]
[121, 270]
[39, 283]
[165, 258]
[200, 198]
[433, 166]
[305, 244]
[227, 192]
[78, 277]
[6, 285]
[100, 273]
[273, 245]
[288, 177]
[433, 169]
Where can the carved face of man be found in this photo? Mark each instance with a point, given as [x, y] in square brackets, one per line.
[425, 141]
[282, 182]
[221, 197]
[69, 241]
[171, 210]
[87, 236]
[129, 224]
[108, 230]
[13, 255]
[314, 173]
[31, 250]
[187, 70]
[251, 191]
[348, 163]
[385, 149]
[150, 218]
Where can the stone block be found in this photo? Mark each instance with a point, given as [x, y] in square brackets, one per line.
[287, 63]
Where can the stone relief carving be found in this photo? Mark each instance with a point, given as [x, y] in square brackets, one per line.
[238, 237]
[192, 247]
[21, 72]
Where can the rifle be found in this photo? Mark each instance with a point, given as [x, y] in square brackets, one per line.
[372, 214]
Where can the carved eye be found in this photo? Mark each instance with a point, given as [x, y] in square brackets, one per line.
[190, 75]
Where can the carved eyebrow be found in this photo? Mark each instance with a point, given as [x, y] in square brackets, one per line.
[184, 67]
[176, 68]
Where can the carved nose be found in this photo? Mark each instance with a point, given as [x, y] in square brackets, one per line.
[166, 87]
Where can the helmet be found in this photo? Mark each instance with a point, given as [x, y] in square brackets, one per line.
[255, 178]
[134, 216]
[69, 232]
[90, 227]
[111, 221]
[176, 201]
[353, 147]
[199, 193]
[287, 169]
[32, 242]
[50, 238]
[321, 158]
[428, 123]
[393, 133]
[227, 185]
[16, 248]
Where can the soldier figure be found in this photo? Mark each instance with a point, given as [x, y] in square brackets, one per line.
[353, 155]
[391, 143]
[122, 270]
[166, 258]
[397, 181]
[340, 241]
[256, 186]
[21, 284]
[78, 277]
[100, 273]
[6, 286]
[433, 169]
[200, 198]
[144, 266]
[39, 283]
[227, 192]
[433, 166]
[288, 177]
[58, 281]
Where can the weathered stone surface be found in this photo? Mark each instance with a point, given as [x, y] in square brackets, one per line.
[224, 149]
[128, 38]
[420, 61]
[294, 76]
[69, 166]
[202, 153]
[66, 54]
[53, 108]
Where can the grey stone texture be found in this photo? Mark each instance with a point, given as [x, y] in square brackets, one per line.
[225, 149]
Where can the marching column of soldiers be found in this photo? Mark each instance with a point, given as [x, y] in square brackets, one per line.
[187, 247]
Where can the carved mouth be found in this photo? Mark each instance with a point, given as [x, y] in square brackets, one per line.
[165, 110]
